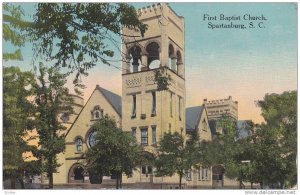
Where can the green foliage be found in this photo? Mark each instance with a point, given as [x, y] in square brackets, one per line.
[115, 151]
[276, 140]
[176, 156]
[162, 79]
[12, 26]
[51, 98]
[17, 110]
[76, 35]
[268, 156]
[225, 149]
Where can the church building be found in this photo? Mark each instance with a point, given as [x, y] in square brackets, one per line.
[142, 110]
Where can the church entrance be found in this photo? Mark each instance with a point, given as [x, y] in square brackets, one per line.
[146, 173]
[146, 169]
[76, 174]
[217, 176]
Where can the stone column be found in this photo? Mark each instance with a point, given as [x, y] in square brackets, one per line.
[173, 63]
[135, 65]
[144, 62]
[180, 69]
[127, 68]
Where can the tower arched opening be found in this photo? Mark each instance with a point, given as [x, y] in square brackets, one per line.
[172, 58]
[153, 55]
[135, 58]
[179, 64]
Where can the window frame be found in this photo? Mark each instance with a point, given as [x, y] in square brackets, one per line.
[153, 110]
[144, 136]
[153, 129]
[78, 145]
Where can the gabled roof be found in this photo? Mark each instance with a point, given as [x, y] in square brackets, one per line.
[112, 98]
[192, 117]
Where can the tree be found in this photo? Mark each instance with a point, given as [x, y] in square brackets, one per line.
[276, 140]
[51, 98]
[78, 35]
[17, 110]
[176, 156]
[12, 25]
[227, 149]
[115, 151]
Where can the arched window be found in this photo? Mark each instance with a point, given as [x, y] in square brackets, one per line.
[78, 144]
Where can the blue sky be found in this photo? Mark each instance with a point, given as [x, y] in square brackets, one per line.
[245, 64]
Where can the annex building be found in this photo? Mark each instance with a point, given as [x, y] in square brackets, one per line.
[142, 110]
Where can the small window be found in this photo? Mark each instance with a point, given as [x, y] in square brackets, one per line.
[153, 111]
[153, 135]
[133, 112]
[97, 113]
[78, 144]
[144, 136]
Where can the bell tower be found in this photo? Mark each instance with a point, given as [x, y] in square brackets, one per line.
[146, 112]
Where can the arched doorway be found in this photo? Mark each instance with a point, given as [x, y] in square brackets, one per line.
[76, 174]
[218, 176]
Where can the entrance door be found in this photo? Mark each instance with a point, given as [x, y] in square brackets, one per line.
[146, 173]
[218, 176]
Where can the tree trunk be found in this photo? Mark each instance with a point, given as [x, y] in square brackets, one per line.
[261, 185]
[22, 183]
[180, 180]
[12, 184]
[121, 180]
[281, 185]
[117, 181]
[50, 180]
[251, 185]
